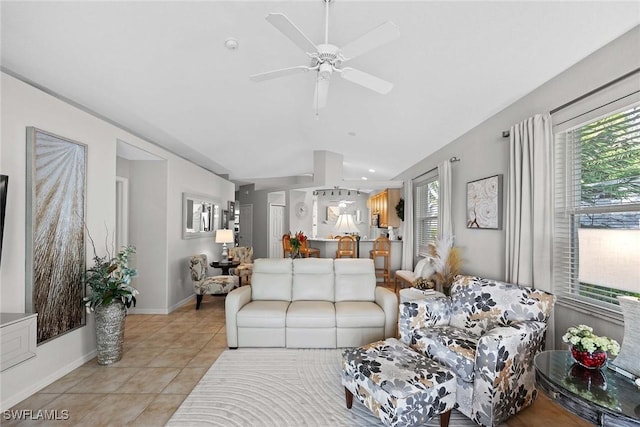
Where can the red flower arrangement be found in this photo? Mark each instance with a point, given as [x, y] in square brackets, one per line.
[297, 240]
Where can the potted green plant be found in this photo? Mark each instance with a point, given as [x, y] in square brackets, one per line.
[111, 294]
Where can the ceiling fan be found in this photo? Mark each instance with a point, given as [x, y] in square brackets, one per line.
[327, 58]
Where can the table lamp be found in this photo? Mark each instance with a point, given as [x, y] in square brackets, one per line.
[224, 237]
[346, 224]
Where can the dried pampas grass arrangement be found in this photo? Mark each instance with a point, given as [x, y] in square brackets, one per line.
[446, 262]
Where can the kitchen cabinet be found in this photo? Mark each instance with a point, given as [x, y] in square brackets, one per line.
[383, 205]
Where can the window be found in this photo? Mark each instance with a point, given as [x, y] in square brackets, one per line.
[597, 212]
[426, 202]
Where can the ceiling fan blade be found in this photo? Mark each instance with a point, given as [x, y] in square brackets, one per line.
[371, 40]
[279, 73]
[289, 29]
[321, 92]
[367, 80]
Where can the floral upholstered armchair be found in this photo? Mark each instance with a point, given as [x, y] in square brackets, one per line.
[488, 333]
[212, 285]
[245, 255]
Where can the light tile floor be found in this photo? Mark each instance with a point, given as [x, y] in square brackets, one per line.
[165, 356]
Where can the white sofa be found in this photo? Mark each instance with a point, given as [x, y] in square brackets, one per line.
[310, 303]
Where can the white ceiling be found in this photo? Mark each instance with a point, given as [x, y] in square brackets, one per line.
[161, 70]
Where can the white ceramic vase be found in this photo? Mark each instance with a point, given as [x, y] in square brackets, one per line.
[628, 359]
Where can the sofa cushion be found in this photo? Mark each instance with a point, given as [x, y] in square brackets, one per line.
[450, 346]
[355, 279]
[311, 314]
[359, 314]
[479, 305]
[272, 279]
[263, 314]
[313, 279]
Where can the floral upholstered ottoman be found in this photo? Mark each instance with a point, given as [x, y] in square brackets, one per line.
[400, 386]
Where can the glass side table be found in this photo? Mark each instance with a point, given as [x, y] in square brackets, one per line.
[601, 396]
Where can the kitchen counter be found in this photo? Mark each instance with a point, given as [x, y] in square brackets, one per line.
[320, 239]
[328, 249]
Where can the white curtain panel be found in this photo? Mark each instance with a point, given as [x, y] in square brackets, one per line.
[444, 216]
[407, 232]
[529, 217]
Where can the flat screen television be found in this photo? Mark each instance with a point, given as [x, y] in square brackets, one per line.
[4, 185]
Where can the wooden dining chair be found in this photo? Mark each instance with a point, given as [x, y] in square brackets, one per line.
[307, 252]
[346, 247]
[287, 250]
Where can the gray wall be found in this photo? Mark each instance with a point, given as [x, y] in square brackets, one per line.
[260, 201]
[483, 152]
[147, 225]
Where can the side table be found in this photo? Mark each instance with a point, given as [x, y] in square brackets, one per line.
[224, 266]
[410, 294]
[600, 396]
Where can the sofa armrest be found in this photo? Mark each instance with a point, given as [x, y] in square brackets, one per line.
[388, 301]
[234, 301]
[422, 313]
[504, 373]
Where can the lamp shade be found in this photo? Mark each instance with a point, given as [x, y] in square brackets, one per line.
[224, 236]
[346, 224]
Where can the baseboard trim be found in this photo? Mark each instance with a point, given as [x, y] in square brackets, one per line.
[147, 311]
[181, 303]
[161, 310]
[49, 379]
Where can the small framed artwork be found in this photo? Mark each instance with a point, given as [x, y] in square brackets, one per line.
[332, 213]
[484, 203]
[232, 208]
[225, 219]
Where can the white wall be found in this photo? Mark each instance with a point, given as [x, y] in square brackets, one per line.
[23, 106]
[326, 229]
[483, 152]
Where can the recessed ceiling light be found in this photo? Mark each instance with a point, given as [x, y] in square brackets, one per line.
[231, 43]
[364, 178]
[372, 170]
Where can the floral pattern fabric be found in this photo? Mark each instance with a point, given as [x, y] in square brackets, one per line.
[488, 333]
[399, 385]
[245, 256]
[214, 285]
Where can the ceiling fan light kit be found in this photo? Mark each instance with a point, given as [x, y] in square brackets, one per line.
[327, 58]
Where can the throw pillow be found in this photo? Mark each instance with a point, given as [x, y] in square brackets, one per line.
[417, 271]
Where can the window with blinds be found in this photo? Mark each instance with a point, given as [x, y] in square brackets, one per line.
[426, 203]
[597, 212]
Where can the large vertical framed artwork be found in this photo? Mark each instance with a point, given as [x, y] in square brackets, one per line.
[55, 241]
[484, 203]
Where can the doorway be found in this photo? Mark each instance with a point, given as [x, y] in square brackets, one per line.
[276, 230]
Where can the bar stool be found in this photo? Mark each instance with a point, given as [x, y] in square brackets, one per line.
[346, 247]
[382, 249]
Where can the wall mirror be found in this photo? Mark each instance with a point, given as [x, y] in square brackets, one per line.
[200, 216]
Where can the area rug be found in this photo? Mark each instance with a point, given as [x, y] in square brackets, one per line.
[277, 387]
